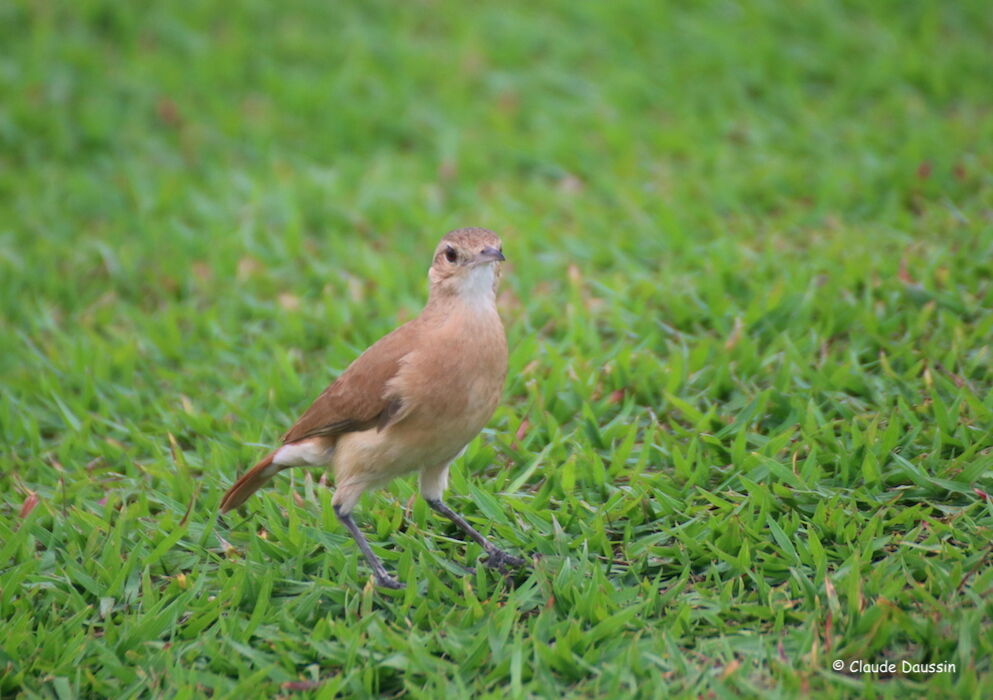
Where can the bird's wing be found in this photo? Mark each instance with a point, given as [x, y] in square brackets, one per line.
[361, 397]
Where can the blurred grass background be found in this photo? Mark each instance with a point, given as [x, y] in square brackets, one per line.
[748, 419]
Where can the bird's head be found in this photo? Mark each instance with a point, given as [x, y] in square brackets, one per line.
[467, 265]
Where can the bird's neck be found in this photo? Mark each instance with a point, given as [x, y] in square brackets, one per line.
[476, 294]
[446, 303]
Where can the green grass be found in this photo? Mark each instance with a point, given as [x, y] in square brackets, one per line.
[749, 303]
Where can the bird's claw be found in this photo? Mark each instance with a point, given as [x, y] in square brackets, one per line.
[386, 581]
[498, 559]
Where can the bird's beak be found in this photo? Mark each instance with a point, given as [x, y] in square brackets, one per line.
[489, 254]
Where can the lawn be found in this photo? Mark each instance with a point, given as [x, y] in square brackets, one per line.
[748, 425]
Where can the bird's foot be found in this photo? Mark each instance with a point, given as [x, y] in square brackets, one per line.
[499, 559]
[387, 581]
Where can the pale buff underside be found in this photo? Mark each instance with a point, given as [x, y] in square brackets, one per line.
[451, 400]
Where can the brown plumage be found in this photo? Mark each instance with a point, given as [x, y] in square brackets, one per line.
[413, 400]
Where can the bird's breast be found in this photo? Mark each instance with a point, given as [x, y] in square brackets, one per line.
[449, 384]
[455, 379]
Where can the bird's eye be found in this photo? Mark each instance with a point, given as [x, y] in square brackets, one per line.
[450, 255]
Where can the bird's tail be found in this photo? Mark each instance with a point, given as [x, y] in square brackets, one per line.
[250, 482]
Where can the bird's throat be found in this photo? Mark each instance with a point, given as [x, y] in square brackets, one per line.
[477, 289]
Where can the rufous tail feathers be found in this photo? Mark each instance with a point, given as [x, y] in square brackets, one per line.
[250, 482]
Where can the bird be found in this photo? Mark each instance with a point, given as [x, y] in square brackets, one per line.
[412, 401]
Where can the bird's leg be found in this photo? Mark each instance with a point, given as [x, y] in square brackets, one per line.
[497, 558]
[379, 571]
